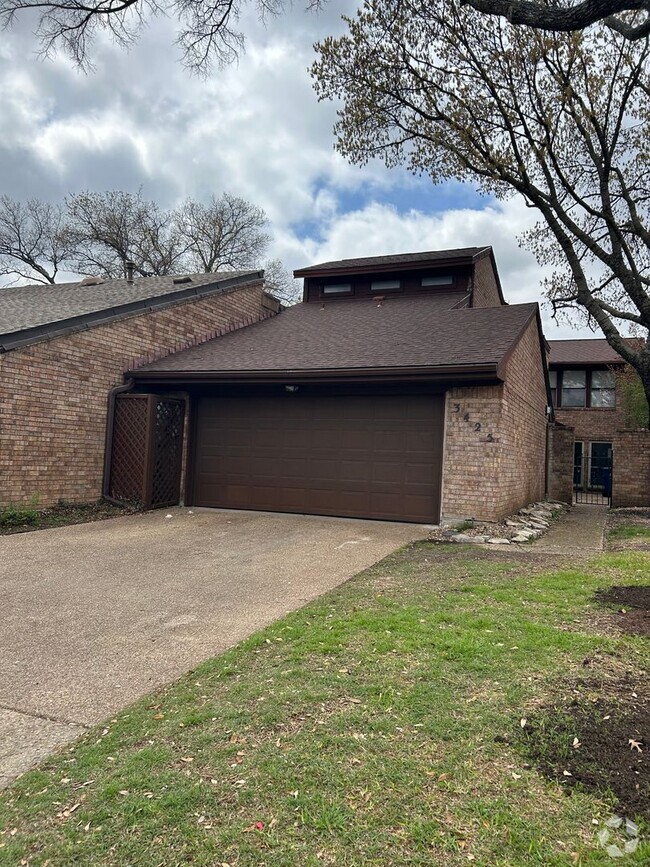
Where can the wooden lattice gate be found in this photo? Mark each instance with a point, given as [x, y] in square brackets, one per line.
[147, 449]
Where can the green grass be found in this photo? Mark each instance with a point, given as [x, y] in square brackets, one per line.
[629, 531]
[358, 731]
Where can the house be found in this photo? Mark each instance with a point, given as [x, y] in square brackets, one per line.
[402, 387]
[586, 388]
[64, 347]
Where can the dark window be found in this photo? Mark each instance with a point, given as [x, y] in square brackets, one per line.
[438, 280]
[384, 285]
[602, 388]
[574, 388]
[337, 289]
[552, 377]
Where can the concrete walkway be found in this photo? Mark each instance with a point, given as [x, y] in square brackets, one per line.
[96, 615]
[580, 531]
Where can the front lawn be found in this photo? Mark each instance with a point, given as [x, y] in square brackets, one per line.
[399, 720]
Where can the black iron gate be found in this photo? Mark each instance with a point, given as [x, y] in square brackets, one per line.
[593, 468]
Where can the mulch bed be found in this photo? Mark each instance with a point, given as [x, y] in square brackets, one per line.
[64, 514]
[601, 745]
[633, 607]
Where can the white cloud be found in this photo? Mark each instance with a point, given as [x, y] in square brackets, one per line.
[254, 129]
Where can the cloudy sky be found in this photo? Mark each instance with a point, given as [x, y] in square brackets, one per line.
[255, 129]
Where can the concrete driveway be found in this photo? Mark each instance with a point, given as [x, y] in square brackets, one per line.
[96, 615]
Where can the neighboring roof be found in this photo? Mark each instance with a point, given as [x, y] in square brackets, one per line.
[361, 334]
[32, 313]
[589, 351]
[399, 260]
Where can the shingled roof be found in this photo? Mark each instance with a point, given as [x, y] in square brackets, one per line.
[589, 351]
[410, 332]
[398, 260]
[32, 313]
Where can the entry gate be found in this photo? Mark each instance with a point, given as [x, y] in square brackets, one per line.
[593, 474]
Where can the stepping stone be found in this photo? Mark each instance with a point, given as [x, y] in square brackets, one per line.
[521, 538]
[496, 541]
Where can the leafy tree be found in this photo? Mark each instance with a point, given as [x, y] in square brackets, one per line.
[635, 406]
[562, 120]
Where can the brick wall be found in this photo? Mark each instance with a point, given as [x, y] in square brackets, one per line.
[598, 424]
[560, 463]
[485, 288]
[495, 440]
[53, 395]
[631, 486]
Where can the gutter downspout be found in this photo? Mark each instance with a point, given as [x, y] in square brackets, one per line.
[108, 453]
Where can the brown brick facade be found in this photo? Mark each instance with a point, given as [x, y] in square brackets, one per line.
[495, 440]
[53, 395]
[560, 463]
[598, 424]
[631, 485]
[485, 287]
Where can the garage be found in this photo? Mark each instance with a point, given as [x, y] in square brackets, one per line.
[366, 455]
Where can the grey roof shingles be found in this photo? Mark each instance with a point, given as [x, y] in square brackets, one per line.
[396, 259]
[416, 331]
[29, 307]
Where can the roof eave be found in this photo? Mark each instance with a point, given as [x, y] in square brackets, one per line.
[417, 265]
[457, 373]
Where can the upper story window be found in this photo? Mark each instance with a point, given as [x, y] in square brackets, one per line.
[602, 391]
[337, 288]
[384, 285]
[438, 280]
[575, 388]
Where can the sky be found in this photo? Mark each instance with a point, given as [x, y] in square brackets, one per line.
[255, 129]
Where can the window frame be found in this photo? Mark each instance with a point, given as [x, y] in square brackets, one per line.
[396, 287]
[429, 281]
[588, 371]
[336, 289]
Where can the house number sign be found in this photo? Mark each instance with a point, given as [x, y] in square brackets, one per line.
[476, 425]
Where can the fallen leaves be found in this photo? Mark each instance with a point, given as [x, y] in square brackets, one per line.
[68, 811]
[635, 745]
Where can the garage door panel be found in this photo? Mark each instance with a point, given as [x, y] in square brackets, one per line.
[365, 456]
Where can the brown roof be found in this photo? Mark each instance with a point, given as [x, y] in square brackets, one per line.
[413, 331]
[462, 254]
[30, 313]
[590, 351]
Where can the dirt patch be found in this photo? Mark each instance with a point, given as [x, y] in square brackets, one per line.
[628, 529]
[633, 607]
[599, 744]
[24, 520]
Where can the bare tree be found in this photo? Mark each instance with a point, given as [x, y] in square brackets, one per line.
[564, 18]
[35, 241]
[562, 120]
[207, 31]
[281, 283]
[227, 233]
[115, 227]
[98, 233]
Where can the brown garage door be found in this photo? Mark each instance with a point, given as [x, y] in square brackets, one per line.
[356, 456]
